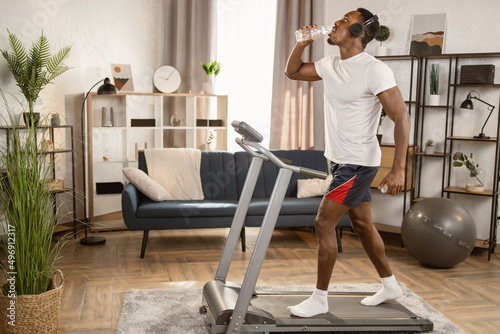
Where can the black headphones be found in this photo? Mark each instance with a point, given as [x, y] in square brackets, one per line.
[358, 28]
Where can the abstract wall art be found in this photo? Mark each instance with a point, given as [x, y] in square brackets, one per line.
[427, 34]
[122, 75]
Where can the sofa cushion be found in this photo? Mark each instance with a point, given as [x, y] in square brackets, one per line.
[218, 175]
[186, 209]
[146, 185]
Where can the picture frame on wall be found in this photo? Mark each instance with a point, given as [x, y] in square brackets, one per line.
[427, 34]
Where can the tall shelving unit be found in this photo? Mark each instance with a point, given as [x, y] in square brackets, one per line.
[454, 140]
[142, 120]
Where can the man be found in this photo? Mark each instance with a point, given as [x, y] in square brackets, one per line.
[356, 86]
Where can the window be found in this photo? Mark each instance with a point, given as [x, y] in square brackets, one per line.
[245, 49]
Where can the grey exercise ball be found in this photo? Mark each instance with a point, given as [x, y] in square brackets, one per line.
[438, 232]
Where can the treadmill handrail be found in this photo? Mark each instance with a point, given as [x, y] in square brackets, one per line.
[267, 155]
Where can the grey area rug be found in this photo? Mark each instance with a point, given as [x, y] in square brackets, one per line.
[176, 311]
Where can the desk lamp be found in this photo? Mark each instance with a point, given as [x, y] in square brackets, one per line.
[467, 104]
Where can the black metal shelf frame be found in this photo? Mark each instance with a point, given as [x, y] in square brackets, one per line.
[450, 137]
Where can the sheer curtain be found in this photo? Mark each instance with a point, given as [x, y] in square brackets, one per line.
[189, 39]
[297, 106]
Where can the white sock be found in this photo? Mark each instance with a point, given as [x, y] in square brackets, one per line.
[314, 305]
[389, 291]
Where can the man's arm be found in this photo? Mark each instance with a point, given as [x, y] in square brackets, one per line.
[395, 107]
[296, 69]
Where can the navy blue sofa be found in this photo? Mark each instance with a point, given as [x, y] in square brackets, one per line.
[222, 176]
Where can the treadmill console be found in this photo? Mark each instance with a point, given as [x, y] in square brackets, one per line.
[247, 131]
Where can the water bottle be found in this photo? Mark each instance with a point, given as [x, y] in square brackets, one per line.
[310, 33]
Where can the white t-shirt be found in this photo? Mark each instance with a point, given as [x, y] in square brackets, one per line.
[352, 109]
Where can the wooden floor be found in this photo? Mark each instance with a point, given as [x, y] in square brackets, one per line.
[98, 277]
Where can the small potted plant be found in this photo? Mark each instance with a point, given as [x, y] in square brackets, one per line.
[429, 146]
[382, 116]
[475, 175]
[383, 34]
[212, 69]
[55, 120]
[434, 88]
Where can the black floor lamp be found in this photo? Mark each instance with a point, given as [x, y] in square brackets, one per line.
[106, 88]
[467, 104]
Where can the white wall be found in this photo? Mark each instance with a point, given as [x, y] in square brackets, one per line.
[467, 31]
[101, 33]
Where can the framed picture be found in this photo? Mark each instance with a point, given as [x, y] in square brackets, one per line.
[122, 75]
[427, 34]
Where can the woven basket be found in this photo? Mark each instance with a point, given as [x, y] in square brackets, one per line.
[34, 313]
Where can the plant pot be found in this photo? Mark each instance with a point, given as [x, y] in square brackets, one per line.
[209, 88]
[434, 100]
[380, 51]
[429, 149]
[379, 138]
[31, 118]
[55, 121]
[40, 313]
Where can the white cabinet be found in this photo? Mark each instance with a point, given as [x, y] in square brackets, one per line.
[143, 120]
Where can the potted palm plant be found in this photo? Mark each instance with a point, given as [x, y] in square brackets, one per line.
[212, 69]
[33, 69]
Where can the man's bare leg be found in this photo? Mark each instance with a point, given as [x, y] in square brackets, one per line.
[329, 214]
[373, 244]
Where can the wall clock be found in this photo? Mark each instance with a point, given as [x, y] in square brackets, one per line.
[167, 79]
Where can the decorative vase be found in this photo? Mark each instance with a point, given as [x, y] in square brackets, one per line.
[31, 118]
[429, 149]
[209, 88]
[176, 119]
[380, 51]
[107, 116]
[475, 184]
[434, 100]
[40, 313]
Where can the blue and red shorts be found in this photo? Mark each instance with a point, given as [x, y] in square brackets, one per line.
[351, 184]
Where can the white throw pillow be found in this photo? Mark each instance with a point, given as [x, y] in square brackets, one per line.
[312, 187]
[146, 185]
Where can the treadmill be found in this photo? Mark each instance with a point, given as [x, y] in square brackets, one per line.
[234, 308]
